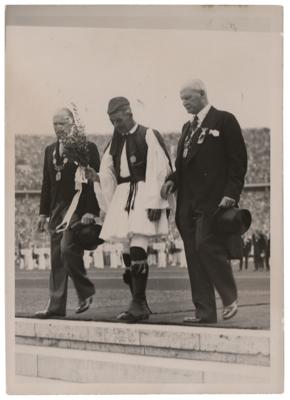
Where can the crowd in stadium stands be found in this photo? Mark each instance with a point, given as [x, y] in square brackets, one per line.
[27, 211]
[29, 152]
[32, 249]
[258, 202]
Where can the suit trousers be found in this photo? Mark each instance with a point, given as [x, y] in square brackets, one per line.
[66, 260]
[207, 263]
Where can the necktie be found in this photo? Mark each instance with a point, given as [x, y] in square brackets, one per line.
[194, 123]
[189, 137]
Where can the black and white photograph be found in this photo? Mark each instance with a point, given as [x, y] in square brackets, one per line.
[144, 199]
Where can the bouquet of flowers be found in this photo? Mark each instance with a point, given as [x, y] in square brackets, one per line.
[75, 144]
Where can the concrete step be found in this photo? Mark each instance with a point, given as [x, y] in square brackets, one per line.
[109, 368]
[232, 346]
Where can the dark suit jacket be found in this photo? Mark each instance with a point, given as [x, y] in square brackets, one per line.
[214, 168]
[62, 192]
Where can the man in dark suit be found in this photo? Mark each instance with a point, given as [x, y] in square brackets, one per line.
[260, 246]
[211, 165]
[247, 246]
[58, 190]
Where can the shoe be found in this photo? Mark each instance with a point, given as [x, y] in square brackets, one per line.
[230, 311]
[84, 305]
[121, 315]
[126, 316]
[198, 320]
[192, 320]
[47, 314]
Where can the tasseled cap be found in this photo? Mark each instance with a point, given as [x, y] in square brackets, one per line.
[116, 103]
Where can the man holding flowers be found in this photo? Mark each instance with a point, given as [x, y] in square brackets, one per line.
[66, 198]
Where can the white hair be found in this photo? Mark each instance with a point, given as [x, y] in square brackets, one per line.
[195, 84]
[66, 112]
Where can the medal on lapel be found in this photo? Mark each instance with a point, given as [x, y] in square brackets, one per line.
[58, 167]
[202, 135]
[133, 159]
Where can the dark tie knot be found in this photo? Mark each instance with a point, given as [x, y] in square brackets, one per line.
[194, 123]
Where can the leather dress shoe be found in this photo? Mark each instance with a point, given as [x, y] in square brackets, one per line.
[198, 320]
[84, 305]
[230, 311]
[126, 316]
[48, 314]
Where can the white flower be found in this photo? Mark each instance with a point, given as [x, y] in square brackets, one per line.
[214, 132]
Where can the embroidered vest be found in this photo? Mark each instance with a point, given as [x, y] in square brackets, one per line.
[136, 151]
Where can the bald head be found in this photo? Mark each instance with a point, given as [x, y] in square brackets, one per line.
[65, 112]
[194, 96]
[63, 121]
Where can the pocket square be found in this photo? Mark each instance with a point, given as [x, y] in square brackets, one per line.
[214, 132]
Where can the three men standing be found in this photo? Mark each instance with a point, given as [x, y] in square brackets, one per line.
[133, 185]
[211, 165]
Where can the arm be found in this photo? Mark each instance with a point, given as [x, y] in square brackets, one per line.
[106, 187]
[91, 203]
[45, 197]
[236, 154]
[157, 170]
[171, 183]
[173, 176]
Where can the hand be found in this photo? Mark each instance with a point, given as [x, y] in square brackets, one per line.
[227, 202]
[91, 174]
[166, 189]
[154, 214]
[88, 219]
[41, 223]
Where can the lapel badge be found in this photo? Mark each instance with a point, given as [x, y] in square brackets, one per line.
[185, 151]
[201, 137]
[133, 159]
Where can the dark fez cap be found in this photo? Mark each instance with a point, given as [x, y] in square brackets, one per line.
[116, 103]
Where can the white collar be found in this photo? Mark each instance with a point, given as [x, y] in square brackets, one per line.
[132, 130]
[201, 115]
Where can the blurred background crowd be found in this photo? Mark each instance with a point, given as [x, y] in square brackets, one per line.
[32, 248]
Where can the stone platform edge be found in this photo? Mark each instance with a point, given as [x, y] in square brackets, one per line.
[251, 347]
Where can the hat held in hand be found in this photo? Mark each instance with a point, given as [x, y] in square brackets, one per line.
[87, 236]
[232, 221]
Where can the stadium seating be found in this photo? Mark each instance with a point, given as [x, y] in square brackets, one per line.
[29, 153]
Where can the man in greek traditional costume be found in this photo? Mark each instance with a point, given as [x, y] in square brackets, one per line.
[132, 171]
[58, 191]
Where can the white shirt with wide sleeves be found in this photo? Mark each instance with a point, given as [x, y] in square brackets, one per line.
[119, 225]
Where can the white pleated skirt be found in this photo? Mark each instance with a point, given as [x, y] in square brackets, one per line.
[121, 226]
